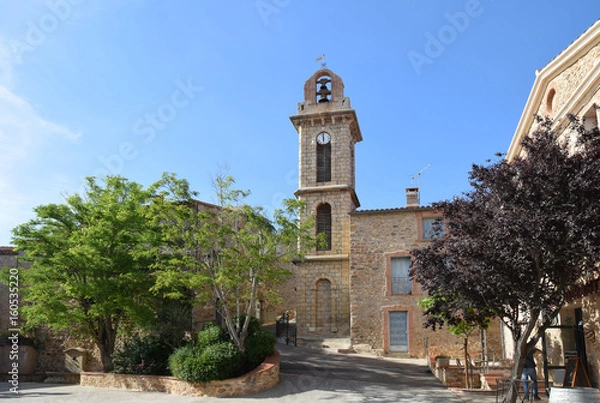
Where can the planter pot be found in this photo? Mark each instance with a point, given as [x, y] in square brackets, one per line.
[442, 362]
[574, 395]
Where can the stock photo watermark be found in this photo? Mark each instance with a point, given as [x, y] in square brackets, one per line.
[38, 30]
[267, 8]
[291, 178]
[14, 330]
[436, 43]
[149, 125]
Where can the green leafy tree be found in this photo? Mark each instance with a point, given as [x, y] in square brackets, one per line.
[523, 237]
[90, 271]
[230, 252]
[462, 321]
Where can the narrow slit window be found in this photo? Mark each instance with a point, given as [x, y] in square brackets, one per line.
[323, 157]
[324, 225]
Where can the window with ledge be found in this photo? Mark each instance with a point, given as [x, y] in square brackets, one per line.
[432, 228]
[324, 225]
[400, 281]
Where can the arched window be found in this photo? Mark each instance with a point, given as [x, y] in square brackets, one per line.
[550, 101]
[323, 157]
[324, 225]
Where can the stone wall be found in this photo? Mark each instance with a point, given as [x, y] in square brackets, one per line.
[563, 94]
[10, 259]
[376, 237]
[265, 377]
[564, 85]
[50, 345]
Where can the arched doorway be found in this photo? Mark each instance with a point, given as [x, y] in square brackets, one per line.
[323, 305]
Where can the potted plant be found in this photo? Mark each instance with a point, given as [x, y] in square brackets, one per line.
[442, 361]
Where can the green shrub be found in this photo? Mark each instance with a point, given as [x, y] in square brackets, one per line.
[210, 334]
[221, 361]
[215, 362]
[147, 355]
[253, 327]
[177, 361]
[259, 346]
[215, 357]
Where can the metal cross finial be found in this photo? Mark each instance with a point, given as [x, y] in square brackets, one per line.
[322, 59]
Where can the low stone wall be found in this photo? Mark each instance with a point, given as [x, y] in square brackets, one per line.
[265, 377]
[67, 378]
[453, 376]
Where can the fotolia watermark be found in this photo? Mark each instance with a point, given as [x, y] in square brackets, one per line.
[13, 338]
[38, 30]
[436, 44]
[147, 127]
[266, 8]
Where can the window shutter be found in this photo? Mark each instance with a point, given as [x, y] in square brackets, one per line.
[401, 281]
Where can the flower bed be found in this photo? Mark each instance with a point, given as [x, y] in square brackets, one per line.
[260, 379]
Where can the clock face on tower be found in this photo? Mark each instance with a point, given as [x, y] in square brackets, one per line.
[323, 138]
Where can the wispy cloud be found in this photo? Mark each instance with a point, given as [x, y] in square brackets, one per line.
[24, 136]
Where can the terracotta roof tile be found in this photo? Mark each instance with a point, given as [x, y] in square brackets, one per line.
[392, 210]
[7, 250]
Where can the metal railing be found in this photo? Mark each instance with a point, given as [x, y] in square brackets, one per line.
[504, 386]
[283, 328]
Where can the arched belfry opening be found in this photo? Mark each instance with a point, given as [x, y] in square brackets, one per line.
[324, 89]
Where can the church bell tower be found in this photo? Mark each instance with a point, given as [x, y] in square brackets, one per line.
[328, 131]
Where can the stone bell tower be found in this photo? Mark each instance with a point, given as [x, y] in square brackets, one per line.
[328, 130]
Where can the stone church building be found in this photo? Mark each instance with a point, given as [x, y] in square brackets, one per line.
[357, 287]
[569, 85]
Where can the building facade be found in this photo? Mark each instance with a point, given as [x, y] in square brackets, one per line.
[356, 284]
[570, 85]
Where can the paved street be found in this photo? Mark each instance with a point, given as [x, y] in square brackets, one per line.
[308, 375]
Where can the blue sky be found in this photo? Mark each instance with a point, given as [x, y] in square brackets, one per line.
[140, 87]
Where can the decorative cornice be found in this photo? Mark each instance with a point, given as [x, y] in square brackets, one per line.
[394, 210]
[328, 117]
[330, 189]
[562, 61]
[338, 256]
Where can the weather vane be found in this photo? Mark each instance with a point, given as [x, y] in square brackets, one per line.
[322, 59]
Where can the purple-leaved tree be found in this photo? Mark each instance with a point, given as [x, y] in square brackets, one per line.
[526, 233]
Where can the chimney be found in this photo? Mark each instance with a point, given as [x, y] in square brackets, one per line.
[412, 197]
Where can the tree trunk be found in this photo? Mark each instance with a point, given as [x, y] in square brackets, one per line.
[521, 350]
[106, 356]
[467, 364]
[106, 344]
[517, 370]
[250, 308]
